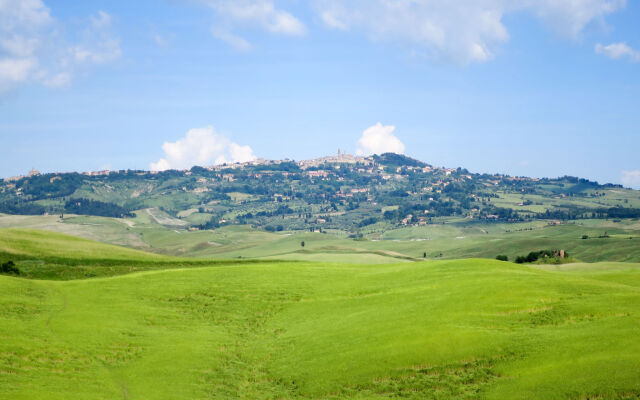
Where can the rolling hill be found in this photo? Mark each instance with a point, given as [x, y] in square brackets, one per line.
[350, 195]
[457, 329]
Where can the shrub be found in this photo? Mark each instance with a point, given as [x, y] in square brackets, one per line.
[542, 254]
[367, 221]
[585, 237]
[9, 268]
[502, 257]
[98, 208]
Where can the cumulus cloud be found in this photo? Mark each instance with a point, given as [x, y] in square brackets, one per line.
[379, 139]
[261, 14]
[631, 179]
[201, 146]
[32, 48]
[462, 31]
[20, 26]
[569, 18]
[617, 51]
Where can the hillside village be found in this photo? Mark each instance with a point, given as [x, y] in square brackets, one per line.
[342, 192]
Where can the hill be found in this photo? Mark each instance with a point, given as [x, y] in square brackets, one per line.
[344, 193]
[34, 243]
[432, 330]
[47, 255]
[606, 240]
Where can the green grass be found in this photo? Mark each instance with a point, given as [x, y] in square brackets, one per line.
[457, 238]
[194, 328]
[463, 329]
[23, 242]
[54, 256]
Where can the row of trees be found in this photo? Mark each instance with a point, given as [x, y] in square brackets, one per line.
[15, 206]
[98, 208]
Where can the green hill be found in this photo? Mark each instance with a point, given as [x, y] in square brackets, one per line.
[378, 209]
[36, 243]
[608, 240]
[348, 195]
[472, 329]
[48, 255]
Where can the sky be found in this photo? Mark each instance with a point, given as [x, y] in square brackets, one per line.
[541, 88]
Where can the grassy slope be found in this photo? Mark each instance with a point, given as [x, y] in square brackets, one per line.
[48, 255]
[31, 242]
[453, 240]
[442, 330]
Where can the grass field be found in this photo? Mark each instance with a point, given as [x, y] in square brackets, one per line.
[450, 329]
[455, 239]
[55, 256]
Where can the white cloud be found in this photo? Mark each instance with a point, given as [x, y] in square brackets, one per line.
[32, 48]
[101, 20]
[101, 52]
[201, 146]
[97, 46]
[20, 26]
[330, 19]
[59, 80]
[261, 14]
[462, 31]
[235, 41]
[570, 17]
[31, 12]
[617, 51]
[379, 139]
[15, 70]
[631, 179]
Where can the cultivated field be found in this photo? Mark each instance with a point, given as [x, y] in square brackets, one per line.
[449, 329]
[454, 238]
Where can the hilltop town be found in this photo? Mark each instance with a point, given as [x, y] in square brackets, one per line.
[340, 192]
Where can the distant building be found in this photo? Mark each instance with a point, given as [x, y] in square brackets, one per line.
[33, 172]
[97, 173]
[341, 158]
[318, 174]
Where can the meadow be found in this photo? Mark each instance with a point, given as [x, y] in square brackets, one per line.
[451, 238]
[438, 329]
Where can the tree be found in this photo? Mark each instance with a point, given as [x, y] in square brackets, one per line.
[502, 258]
[424, 255]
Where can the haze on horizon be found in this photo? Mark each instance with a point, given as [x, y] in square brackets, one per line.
[539, 89]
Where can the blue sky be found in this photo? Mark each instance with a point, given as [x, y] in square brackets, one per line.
[540, 89]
